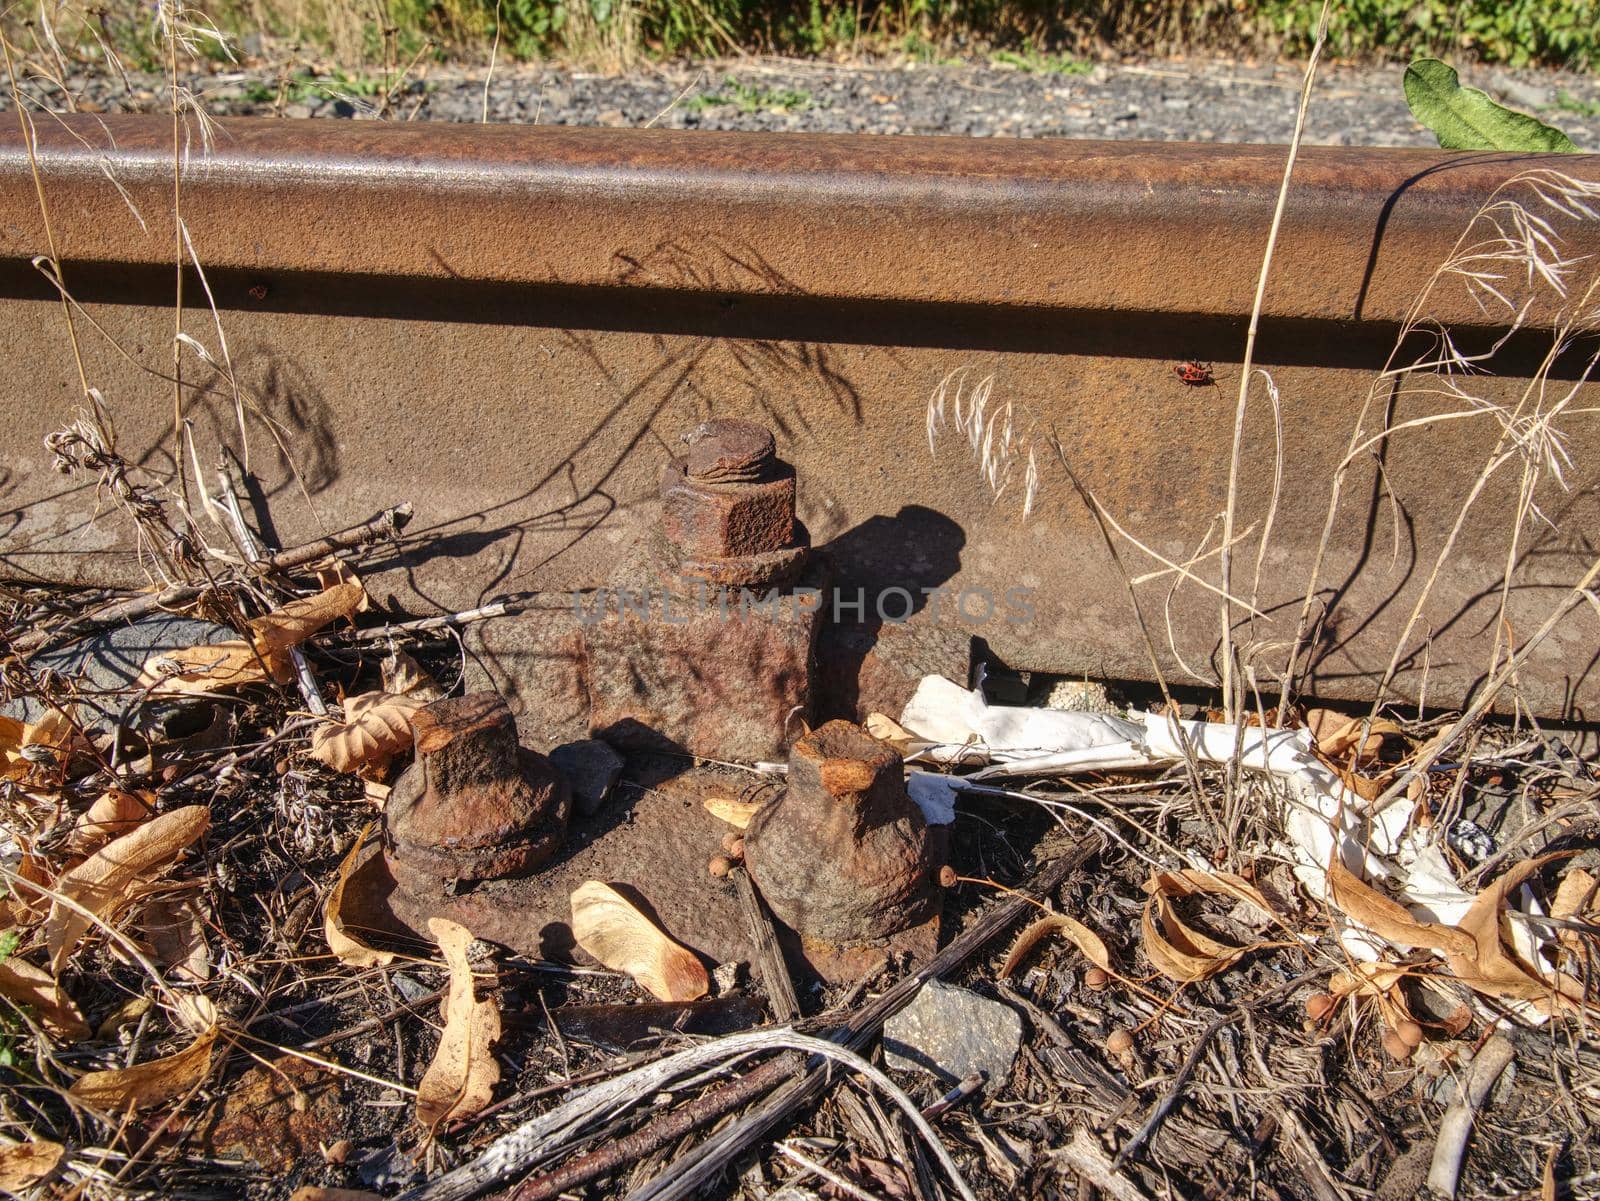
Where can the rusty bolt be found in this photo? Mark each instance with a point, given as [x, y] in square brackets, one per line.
[726, 451]
[474, 805]
[843, 855]
[728, 506]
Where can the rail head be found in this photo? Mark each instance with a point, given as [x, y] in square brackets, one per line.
[1054, 225]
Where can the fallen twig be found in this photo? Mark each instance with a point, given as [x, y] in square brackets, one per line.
[698, 1167]
[1491, 1060]
[769, 959]
[385, 525]
[686, 1118]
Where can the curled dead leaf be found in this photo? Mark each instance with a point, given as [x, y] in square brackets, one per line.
[461, 1078]
[177, 935]
[348, 950]
[1491, 966]
[36, 988]
[1576, 900]
[376, 727]
[105, 881]
[198, 670]
[23, 1165]
[113, 814]
[289, 625]
[1387, 918]
[611, 929]
[736, 813]
[1085, 939]
[1176, 949]
[157, 1081]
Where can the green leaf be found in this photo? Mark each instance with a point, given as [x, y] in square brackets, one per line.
[1466, 119]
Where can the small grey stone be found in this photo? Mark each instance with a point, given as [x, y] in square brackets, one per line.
[612, 118]
[591, 768]
[107, 664]
[953, 1033]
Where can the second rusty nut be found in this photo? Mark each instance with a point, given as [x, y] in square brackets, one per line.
[475, 805]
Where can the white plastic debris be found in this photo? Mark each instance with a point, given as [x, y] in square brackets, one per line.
[965, 728]
[1381, 846]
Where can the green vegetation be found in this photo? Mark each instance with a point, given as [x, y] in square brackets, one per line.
[1035, 35]
[1036, 62]
[751, 98]
[1467, 119]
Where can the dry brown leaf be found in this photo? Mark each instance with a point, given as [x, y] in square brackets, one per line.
[376, 727]
[198, 670]
[1575, 900]
[1387, 918]
[1085, 939]
[1490, 966]
[287, 627]
[337, 571]
[105, 881]
[347, 949]
[886, 729]
[735, 812]
[114, 814]
[1336, 734]
[460, 1081]
[403, 674]
[23, 1165]
[607, 926]
[177, 935]
[154, 1082]
[1178, 950]
[36, 988]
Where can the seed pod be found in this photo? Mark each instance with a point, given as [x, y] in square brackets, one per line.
[1409, 1032]
[1319, 1005]
[947, 877]
[720, 866]
[1119, 1042]
[737, 849]
[729, 840]
[1396, 1046]
[1096, 978]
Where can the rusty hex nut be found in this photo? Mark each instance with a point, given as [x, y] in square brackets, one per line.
[708, 520]
[475, 805]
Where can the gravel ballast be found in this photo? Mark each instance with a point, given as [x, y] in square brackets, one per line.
[1210, 101]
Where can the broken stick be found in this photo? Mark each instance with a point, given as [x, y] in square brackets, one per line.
[698, 1167]
[385, 525]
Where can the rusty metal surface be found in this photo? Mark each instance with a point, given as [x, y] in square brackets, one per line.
[510, 325]
[843, 855]
[474, 805]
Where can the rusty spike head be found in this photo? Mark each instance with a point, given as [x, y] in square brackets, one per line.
[474, 805]
[843, 855]
[726, 450]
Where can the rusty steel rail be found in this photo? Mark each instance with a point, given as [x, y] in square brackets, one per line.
[501, 324]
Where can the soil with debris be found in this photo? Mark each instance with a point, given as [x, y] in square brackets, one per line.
[1202, 101]
[1185, 1033]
